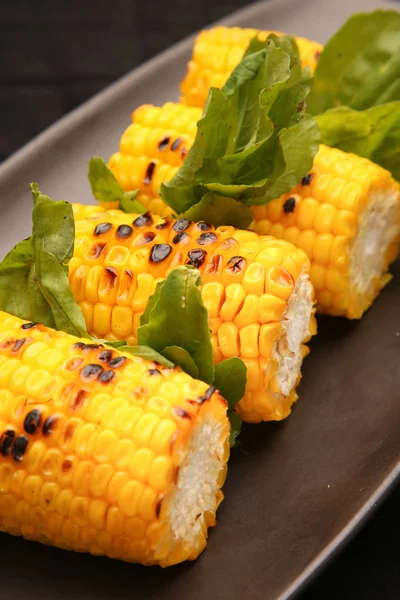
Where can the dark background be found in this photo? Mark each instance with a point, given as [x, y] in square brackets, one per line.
[55, 55]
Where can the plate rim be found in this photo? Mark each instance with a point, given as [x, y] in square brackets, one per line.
[93, 106]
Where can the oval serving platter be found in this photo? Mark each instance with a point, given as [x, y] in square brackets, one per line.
[296, 491]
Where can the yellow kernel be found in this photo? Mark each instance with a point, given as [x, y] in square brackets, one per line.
[102, 319]
[275, 210]
[145, 428]
[55, 523]
[147, 505]
[115, 486]
[324, 217]
[81, 439]
[63, 502]
[322, 248]
[307, 210]
[249, 311]
[48, 496]
[228, 339]
[160, 473]
[269, 334]
[253, 374]
[279, 282]
[306, 241]
[129, 497]
[253, 279]
[212, 294]
[318, 276]
[141, 463]
[344, 223]
[339, 251]
[79, 510]
[115, 521]
[51, 463]
[277, 229]
[271, 308]
[105, 446]
[124, 453]
[249, 340]
[291, 235]
[135, 528]
[100, 479]
[163, 436]
[96, 513]
[325, 298]
[121, 321]
[5, 477]
[235, 295]
[336, 281]
[81, 477]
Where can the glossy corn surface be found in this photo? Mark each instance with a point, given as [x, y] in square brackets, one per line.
[91, 443]
[334, 215]
[247, 282]
[219, 50]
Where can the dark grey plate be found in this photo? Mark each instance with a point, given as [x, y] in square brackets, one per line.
[297, 490]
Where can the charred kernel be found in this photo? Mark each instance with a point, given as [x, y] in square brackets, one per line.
[116, 362]
[78, 345]
[66, 466]
[7, 343]
[159, 252]
[179, 237]
[214, 264]
[110, 275]
[124, 231]
[79, 399]
[154, 372]
[107, 376]
[175, 145]
[289, 205]
[196, 257]
[96, 250]
[32, 421]
[182, 413]
[49, 425]
[6, 440]
[148, 237]
[207, 238]
[144, 220]
[307, 179]
[73, 364]
[181, 225]
[18, 344]
[162, 144]
[158, 506]
[102, 228]
[28, 325]
[164, 223]
[204, 226]
[149, 172]
[207, 395]
[105, 355]
[19, 447]
[236, 264]
[91, 372]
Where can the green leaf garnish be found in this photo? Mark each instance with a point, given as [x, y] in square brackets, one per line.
[176, 316]
[253, 141]
[230, 379]
[373, 133]
[220, 210]
[106, 188]
[147, 353]
[359, 67]
[34, 275]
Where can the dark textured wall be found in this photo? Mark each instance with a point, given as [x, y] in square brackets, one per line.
[56, 54]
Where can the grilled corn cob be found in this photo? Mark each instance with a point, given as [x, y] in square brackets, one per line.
[103, 452]
[256, 290]
[219, 50]
[344, 214]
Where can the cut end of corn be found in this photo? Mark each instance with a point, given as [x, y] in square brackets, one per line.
[104, 452]
[256, 290]
[345, 214]
[219, 50]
